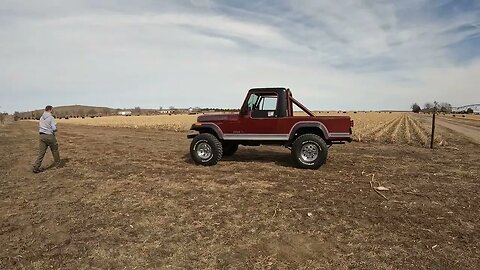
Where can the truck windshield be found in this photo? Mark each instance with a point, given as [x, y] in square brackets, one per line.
[252, 101]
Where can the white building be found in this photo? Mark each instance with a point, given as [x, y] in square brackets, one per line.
[125, 113]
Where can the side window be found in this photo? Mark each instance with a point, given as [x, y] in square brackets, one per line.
[264, 106]
[269, 103]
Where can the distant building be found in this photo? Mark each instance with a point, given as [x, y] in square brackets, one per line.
[125, 113]
[462, 109]
[166, 111]
[194, 110]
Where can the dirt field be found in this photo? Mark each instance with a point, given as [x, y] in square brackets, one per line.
[132, 199]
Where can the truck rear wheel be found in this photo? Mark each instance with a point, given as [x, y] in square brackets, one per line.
[309, 151]
[206, 149]
[229, 148]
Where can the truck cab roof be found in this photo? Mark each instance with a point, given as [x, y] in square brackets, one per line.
[270, 89]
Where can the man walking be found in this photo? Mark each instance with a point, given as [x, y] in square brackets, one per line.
[47, 130]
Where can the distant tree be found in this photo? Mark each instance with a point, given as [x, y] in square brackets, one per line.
[16, 116]
[36, 115]
[445, 107]
[106, 111]
[171, 108]
[92, 112]
[137, 110]
[61, 113]
[416, 108]
[469, 110]
[2, 118]
[81, 112]
[428, 106]
[436, 106]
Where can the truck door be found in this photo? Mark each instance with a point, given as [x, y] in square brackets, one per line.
[262, 114]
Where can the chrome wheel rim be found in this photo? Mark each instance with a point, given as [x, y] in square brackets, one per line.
[204, 151]
[309, 152]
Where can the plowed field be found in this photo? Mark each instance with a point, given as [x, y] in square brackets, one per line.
[130, 198]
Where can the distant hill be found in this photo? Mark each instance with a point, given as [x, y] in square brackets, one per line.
[73, 110]
[83, 110]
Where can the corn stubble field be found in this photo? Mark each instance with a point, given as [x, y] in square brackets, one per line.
[395, 127]
[129, 197]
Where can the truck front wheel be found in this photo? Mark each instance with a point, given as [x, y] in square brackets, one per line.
[206, 149]
[309, 151]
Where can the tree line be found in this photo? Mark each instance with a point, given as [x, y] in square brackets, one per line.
[443, 107]
[85, 111]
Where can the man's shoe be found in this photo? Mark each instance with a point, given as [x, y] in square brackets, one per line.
[60, 164]
[37, 170]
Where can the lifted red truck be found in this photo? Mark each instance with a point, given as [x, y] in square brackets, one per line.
[266, 117]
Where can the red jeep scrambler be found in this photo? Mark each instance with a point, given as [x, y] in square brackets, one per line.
[266, 117]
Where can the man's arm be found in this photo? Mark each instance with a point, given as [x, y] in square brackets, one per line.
[53, 124]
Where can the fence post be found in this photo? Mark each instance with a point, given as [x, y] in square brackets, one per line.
[432, 138]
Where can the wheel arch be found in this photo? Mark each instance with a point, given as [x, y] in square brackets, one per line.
[210, 128]
[316, 128]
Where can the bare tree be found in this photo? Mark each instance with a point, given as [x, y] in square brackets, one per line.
[2, 117]
[106, 111]
[36, 115]
[92, 112]
[137, 110]
[416, 108]
[445, 107]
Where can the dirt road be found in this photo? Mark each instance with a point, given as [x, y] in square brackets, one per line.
[132, 199]
[469, 129]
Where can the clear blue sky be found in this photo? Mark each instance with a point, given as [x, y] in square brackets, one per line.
[332, 54]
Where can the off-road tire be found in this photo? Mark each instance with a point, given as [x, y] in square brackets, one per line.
[308, 144]
[208, 142]
[229, 148]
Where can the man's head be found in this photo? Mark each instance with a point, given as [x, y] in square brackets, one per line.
[49, 108]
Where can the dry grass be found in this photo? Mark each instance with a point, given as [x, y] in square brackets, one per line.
[166, 122]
